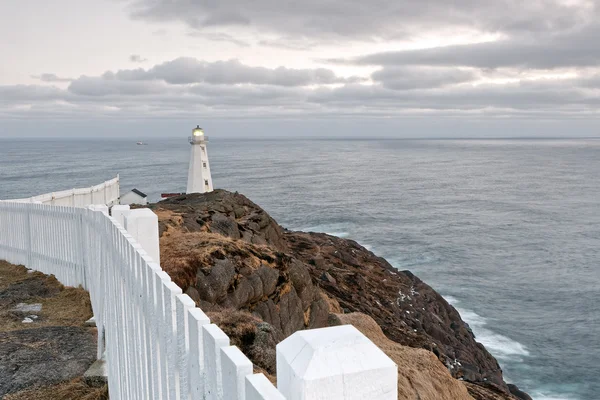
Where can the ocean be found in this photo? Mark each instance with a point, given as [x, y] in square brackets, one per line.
[507, 230]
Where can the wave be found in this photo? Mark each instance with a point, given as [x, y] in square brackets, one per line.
[502, 347]
[543, 396]
[338, 230]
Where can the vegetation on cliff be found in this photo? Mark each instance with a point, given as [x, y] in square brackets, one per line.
[261, 283]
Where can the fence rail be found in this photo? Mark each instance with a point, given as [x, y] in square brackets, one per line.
[105, 193]
[156, 342]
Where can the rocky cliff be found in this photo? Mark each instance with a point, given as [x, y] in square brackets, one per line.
[261, 283]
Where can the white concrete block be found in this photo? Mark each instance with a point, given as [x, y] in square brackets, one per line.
[334, 363]
[235, 366]
[258, 387]
[214, 338]
[119, 212]
[142, 224]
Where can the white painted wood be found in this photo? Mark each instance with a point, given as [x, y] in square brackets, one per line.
[214, 338]
[157, 344]
[105, 193]
[258, 387]
[183, 304]
[235, 366]
[196, 376]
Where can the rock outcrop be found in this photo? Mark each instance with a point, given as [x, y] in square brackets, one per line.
[228, 254]
[43, 340]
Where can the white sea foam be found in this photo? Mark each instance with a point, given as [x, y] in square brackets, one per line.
[540, 395]
[367, 246]
[502, 347]
[338, 230]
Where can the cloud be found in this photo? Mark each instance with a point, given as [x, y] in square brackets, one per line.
[376, 18]
[186, 70]
[51, 78]
[406, 78]
[136, 58]
[219, 37]
[231, 89]
[134, 99]
[577, 48]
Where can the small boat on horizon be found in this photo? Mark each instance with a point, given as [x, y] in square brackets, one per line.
[141, 144]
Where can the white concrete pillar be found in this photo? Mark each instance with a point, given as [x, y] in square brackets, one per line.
[334, 363]
[142, 224]
[120, 212]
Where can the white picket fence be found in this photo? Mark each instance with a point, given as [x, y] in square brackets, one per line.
[104, 193]
[157, 344]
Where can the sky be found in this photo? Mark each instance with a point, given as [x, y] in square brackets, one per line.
[377, 68]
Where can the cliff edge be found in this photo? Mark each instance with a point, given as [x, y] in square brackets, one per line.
[261, 283]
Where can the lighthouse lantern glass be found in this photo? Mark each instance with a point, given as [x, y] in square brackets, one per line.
[198, 132]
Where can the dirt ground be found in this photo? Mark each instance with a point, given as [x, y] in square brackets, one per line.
[46, 357]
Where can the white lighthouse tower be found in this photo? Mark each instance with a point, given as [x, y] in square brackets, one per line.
[199, 179]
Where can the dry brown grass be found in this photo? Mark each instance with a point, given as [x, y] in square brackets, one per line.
[69, 307]
[240, 326]
[420, 374]
[184, 254]
[10, 274]
[73, 390]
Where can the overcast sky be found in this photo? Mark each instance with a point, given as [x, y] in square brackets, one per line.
[402, 68]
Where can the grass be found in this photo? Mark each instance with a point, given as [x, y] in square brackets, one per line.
[185, 254]
[73, 390]
[61, 306]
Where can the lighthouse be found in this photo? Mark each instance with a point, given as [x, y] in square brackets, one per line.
[199, 180]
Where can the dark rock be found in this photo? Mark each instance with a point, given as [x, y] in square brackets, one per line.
[518, 392]
[225, 226]
[44, 356]
[326, 276]
[245, 261]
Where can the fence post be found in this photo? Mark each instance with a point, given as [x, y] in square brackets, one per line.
[337, 363]
[214, 338]
[142, 224]
[258, 387]
[196, 367]
[28, 233]
[235, 366]
[120, 212]
[183, 304]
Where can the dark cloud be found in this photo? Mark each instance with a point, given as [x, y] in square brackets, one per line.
[136, 58]
[101, 86]
[577, 48]
[107, 95]
[375, 18]
[406, 78]
[187, 70]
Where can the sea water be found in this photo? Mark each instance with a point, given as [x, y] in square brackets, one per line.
[507, 230]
